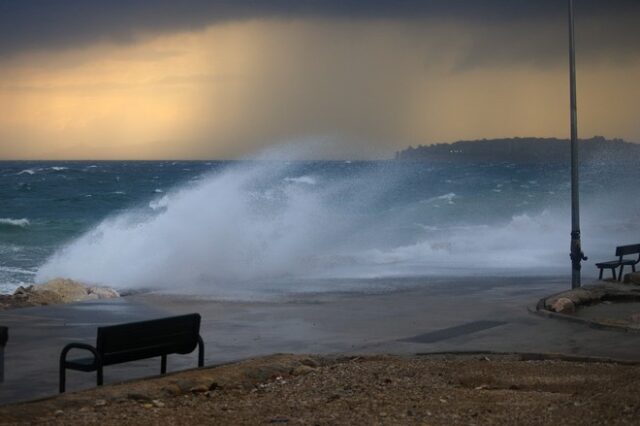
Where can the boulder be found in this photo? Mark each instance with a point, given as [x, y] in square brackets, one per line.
[563, 305]
[44, 297]
[54, 292]
[103, 292]
[632, 278]
[68, 290]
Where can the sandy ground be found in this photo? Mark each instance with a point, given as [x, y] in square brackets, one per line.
[297, 389]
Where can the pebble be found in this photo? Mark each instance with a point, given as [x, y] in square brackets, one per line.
[136, 396]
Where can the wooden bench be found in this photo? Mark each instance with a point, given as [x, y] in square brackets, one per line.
[134, 341]
[4, 336]
[621, 252]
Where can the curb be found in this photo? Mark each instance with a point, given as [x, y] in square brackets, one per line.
[539, 309]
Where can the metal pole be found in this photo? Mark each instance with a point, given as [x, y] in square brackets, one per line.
[576, 247]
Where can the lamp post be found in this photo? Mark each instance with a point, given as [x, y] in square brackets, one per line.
[576, 246]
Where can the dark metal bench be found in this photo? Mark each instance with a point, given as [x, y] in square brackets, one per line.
[134, 341]
[4, 336]
[621, 252]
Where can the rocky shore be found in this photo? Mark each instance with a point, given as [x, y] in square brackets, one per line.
[488, 389]
[54, 292]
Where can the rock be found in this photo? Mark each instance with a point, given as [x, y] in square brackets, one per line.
[43, 297]
[68, 290]
[632, 278]
[103, 292]
[100, 403]
[302, 370]
[199, 389]
[185, 385]
[157, 403]
[172, 389]
[563, 305]
[136, 396]
[310, 362]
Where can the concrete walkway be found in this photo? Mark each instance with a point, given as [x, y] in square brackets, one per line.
[487, 314]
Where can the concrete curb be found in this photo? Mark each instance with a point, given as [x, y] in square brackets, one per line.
[540, 309]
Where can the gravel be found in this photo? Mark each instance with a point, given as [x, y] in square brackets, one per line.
[371, 390]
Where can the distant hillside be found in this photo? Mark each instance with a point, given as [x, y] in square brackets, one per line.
[596, 149]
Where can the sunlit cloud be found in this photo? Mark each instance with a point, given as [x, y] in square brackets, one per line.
[229, 89]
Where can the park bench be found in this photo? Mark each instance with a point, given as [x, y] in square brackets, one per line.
[4, 336]
[134, 341]
[621, 252]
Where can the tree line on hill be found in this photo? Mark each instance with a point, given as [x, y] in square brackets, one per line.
[596, 149]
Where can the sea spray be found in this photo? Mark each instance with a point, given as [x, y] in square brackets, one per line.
[254, 226]
[248, 222]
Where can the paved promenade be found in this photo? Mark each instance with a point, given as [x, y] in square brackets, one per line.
[485, 314]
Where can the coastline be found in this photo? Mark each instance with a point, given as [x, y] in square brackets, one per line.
[54, 292]
[485, 314]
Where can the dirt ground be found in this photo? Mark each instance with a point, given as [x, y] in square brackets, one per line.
[291, 389]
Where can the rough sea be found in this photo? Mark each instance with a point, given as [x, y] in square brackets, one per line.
[236, 229]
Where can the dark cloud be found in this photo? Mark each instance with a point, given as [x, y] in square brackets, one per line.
[27, 25]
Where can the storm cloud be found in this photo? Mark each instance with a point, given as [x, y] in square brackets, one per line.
[508, 30]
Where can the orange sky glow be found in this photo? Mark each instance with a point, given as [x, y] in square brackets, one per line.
[371, 87]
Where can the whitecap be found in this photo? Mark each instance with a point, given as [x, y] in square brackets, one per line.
[27, 172]
[22, 223]
[158, 191]
[446, 197]
[307, 180]
[159, 204]
[14, 270]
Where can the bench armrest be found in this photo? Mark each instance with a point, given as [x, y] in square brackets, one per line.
[66, 349]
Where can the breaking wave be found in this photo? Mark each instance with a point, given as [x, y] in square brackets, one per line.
[20, 223]
[254, 222]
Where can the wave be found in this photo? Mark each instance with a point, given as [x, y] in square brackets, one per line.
[160, 203]
[14, 270]
[307, 180]
[20, 223]
[27, 172]
[265, 221]
[448, 198]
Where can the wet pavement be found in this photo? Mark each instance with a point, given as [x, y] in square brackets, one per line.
[483, 314]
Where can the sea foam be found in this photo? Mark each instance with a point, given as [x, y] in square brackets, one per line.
[21, 223]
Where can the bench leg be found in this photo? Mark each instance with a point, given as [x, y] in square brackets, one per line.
[600, 276]
[613, 271]
[63, 379]
[620, 275]
[200, 352]
[99, 375]
[163, 364]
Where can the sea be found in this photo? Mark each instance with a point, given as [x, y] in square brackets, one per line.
[242, 229]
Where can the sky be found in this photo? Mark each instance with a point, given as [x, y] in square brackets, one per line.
[202, 79]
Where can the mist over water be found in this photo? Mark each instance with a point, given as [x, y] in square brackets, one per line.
[271, 225]
[252, 228]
